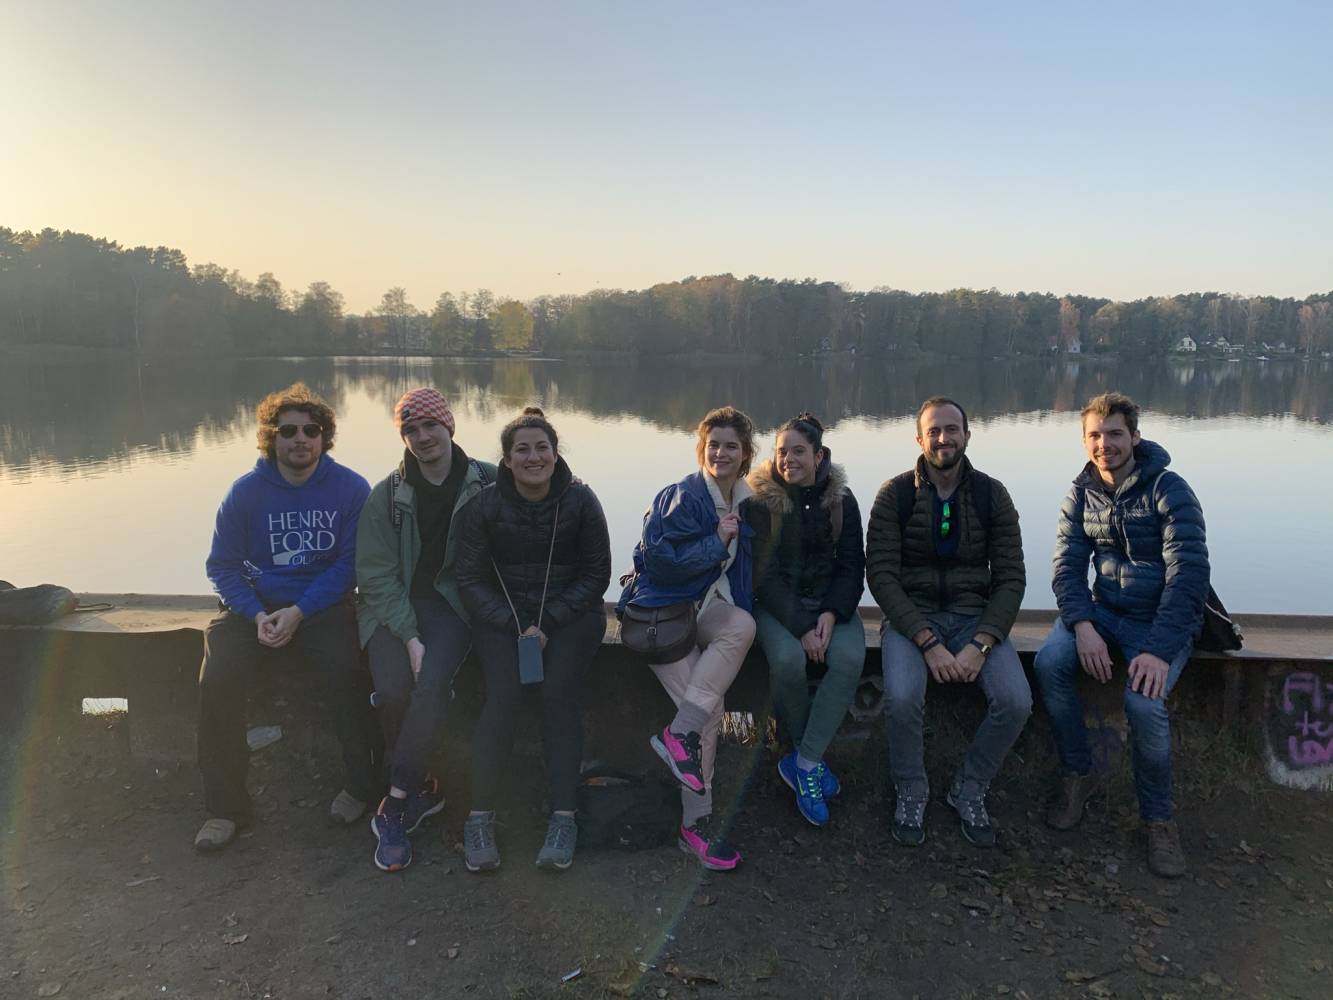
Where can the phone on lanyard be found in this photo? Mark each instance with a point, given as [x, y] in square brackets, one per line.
[530, 659]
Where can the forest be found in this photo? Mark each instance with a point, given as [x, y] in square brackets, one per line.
[75, 290]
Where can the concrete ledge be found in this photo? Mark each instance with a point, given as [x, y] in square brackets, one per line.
[1291, 638]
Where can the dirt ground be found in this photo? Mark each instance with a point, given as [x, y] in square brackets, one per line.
[102, 896]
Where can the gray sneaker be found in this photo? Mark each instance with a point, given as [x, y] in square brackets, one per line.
[909, 813]
[561, 835]
[345, 809]
[479, 851]
[968, 799]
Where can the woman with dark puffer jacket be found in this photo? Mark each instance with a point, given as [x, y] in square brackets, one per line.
[534, 561]
[809, 580]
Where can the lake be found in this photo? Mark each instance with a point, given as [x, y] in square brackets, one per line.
[111, 471]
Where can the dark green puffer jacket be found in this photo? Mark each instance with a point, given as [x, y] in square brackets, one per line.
[984, 577]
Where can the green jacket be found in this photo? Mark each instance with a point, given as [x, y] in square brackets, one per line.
[984, 577]
[386, 556]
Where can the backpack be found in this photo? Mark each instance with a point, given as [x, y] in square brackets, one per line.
[396, 479]
[627, 811]
[1218, 633]
[904, 490]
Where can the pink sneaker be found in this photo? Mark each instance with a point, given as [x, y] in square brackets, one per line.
[683, 755]
[712, 851]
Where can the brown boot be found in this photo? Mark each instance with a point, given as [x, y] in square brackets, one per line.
[1165, 857]
[1066, 812]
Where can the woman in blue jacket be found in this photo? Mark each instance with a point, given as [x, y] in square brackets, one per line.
[696, 546]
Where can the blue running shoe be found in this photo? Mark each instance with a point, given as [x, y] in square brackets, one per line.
[393, 853]
[808, 789]
[829, 782]
[422, 804]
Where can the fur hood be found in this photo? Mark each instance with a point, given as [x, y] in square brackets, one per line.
[771, 491]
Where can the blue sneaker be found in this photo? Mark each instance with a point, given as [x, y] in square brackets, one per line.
[422, 804]
[393, 853]
[829, 782]
[808, 789]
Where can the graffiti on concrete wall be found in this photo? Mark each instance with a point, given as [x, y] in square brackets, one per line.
[1300, 728]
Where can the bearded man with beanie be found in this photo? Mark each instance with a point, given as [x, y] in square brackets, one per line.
[282, 563]
[412, 621]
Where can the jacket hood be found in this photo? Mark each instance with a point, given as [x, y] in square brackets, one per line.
[267, 469]
[561, 479]
[1150, 459]
[773, 492]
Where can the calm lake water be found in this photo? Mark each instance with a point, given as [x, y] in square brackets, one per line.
[110, 473]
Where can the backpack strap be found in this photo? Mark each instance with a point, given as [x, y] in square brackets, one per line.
[482, 474]
[395, 515]
[983, 497]
[904, 490]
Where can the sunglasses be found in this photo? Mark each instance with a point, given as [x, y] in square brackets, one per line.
[309, 430]
[945, 515]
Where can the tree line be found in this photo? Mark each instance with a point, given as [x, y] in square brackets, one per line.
[67, 288]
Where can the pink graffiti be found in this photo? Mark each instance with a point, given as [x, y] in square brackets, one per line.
[1316, 729]
[1304, 753]
[1309, 685]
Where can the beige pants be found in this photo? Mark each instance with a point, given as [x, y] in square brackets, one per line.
[703, 676]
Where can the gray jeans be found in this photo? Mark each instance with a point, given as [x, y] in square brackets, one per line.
[1008, 698]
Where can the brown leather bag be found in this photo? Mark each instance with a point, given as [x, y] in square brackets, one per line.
[663, 635]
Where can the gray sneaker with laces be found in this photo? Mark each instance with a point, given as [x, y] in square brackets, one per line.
[968, 799]
[909, 814]
[561, 835]
[479, 851]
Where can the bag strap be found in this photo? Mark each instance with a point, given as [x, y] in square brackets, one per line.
[982, 496]
[904, 491]
[395, 515]
[545, 583]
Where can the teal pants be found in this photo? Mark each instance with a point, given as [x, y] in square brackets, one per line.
[812, 721]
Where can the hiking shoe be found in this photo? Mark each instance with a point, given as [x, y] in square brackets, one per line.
[345, 809]
[214, 835]
[1066, 811]
[828, 781]
[422, 804]
[909, 814]
[968, 799]
[683, 754]
[479, 851]
[704, 843]
[562, 833]
[1165, 856]
[393, 853]
[808, 788]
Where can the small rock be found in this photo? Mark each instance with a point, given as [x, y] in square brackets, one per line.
[234, 938]
[1211, 979]
[451, 953]
[49, 989]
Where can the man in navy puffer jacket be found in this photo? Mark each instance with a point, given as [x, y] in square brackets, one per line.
[1142, 529]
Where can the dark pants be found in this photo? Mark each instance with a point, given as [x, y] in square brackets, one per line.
[412, 713]
[568, 650]
[232, 657]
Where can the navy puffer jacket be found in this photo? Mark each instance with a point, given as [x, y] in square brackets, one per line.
[1147, 545]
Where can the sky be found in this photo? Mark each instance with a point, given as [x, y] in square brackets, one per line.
[1119, 150]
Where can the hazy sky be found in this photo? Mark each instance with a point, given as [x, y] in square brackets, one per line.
[1112, 149]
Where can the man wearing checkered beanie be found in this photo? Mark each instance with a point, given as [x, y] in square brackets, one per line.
[411, 619]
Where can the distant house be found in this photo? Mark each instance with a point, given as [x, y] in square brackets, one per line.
[1074, 347]
[1186, 345]
[1222, 344]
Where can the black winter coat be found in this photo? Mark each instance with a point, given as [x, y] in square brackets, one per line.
[499, 524]
[802, 571]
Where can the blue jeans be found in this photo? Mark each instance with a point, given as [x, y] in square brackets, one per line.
[411, 709]
[1002, 681]
[1057, 670]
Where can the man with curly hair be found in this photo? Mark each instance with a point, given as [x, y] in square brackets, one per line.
[283, 566]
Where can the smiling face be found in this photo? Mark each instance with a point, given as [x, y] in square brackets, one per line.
[297, 454]
[1110, 445]
[724, 454]
[941, 436]
[796, 459]
[427, 439]
[531, 459]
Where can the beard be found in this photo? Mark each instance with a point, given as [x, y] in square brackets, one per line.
[945, 462]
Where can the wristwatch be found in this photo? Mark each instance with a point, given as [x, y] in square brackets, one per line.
[985, 647]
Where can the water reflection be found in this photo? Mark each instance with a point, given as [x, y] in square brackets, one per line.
[78, 414]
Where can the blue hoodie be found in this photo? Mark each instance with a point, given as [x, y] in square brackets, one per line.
[276, 544]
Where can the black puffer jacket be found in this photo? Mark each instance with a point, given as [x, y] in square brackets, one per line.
[802, 571]
[499, 524]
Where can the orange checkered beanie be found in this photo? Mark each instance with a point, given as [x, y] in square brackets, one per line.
[419, 404]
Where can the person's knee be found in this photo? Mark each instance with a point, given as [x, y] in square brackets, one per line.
[1012, 706]
[1149, 721]
[786, 662]
[742, 629]
[220, 675]
[1056, 659]
[904, 696]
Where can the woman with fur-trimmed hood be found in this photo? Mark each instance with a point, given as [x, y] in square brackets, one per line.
[809, 579]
